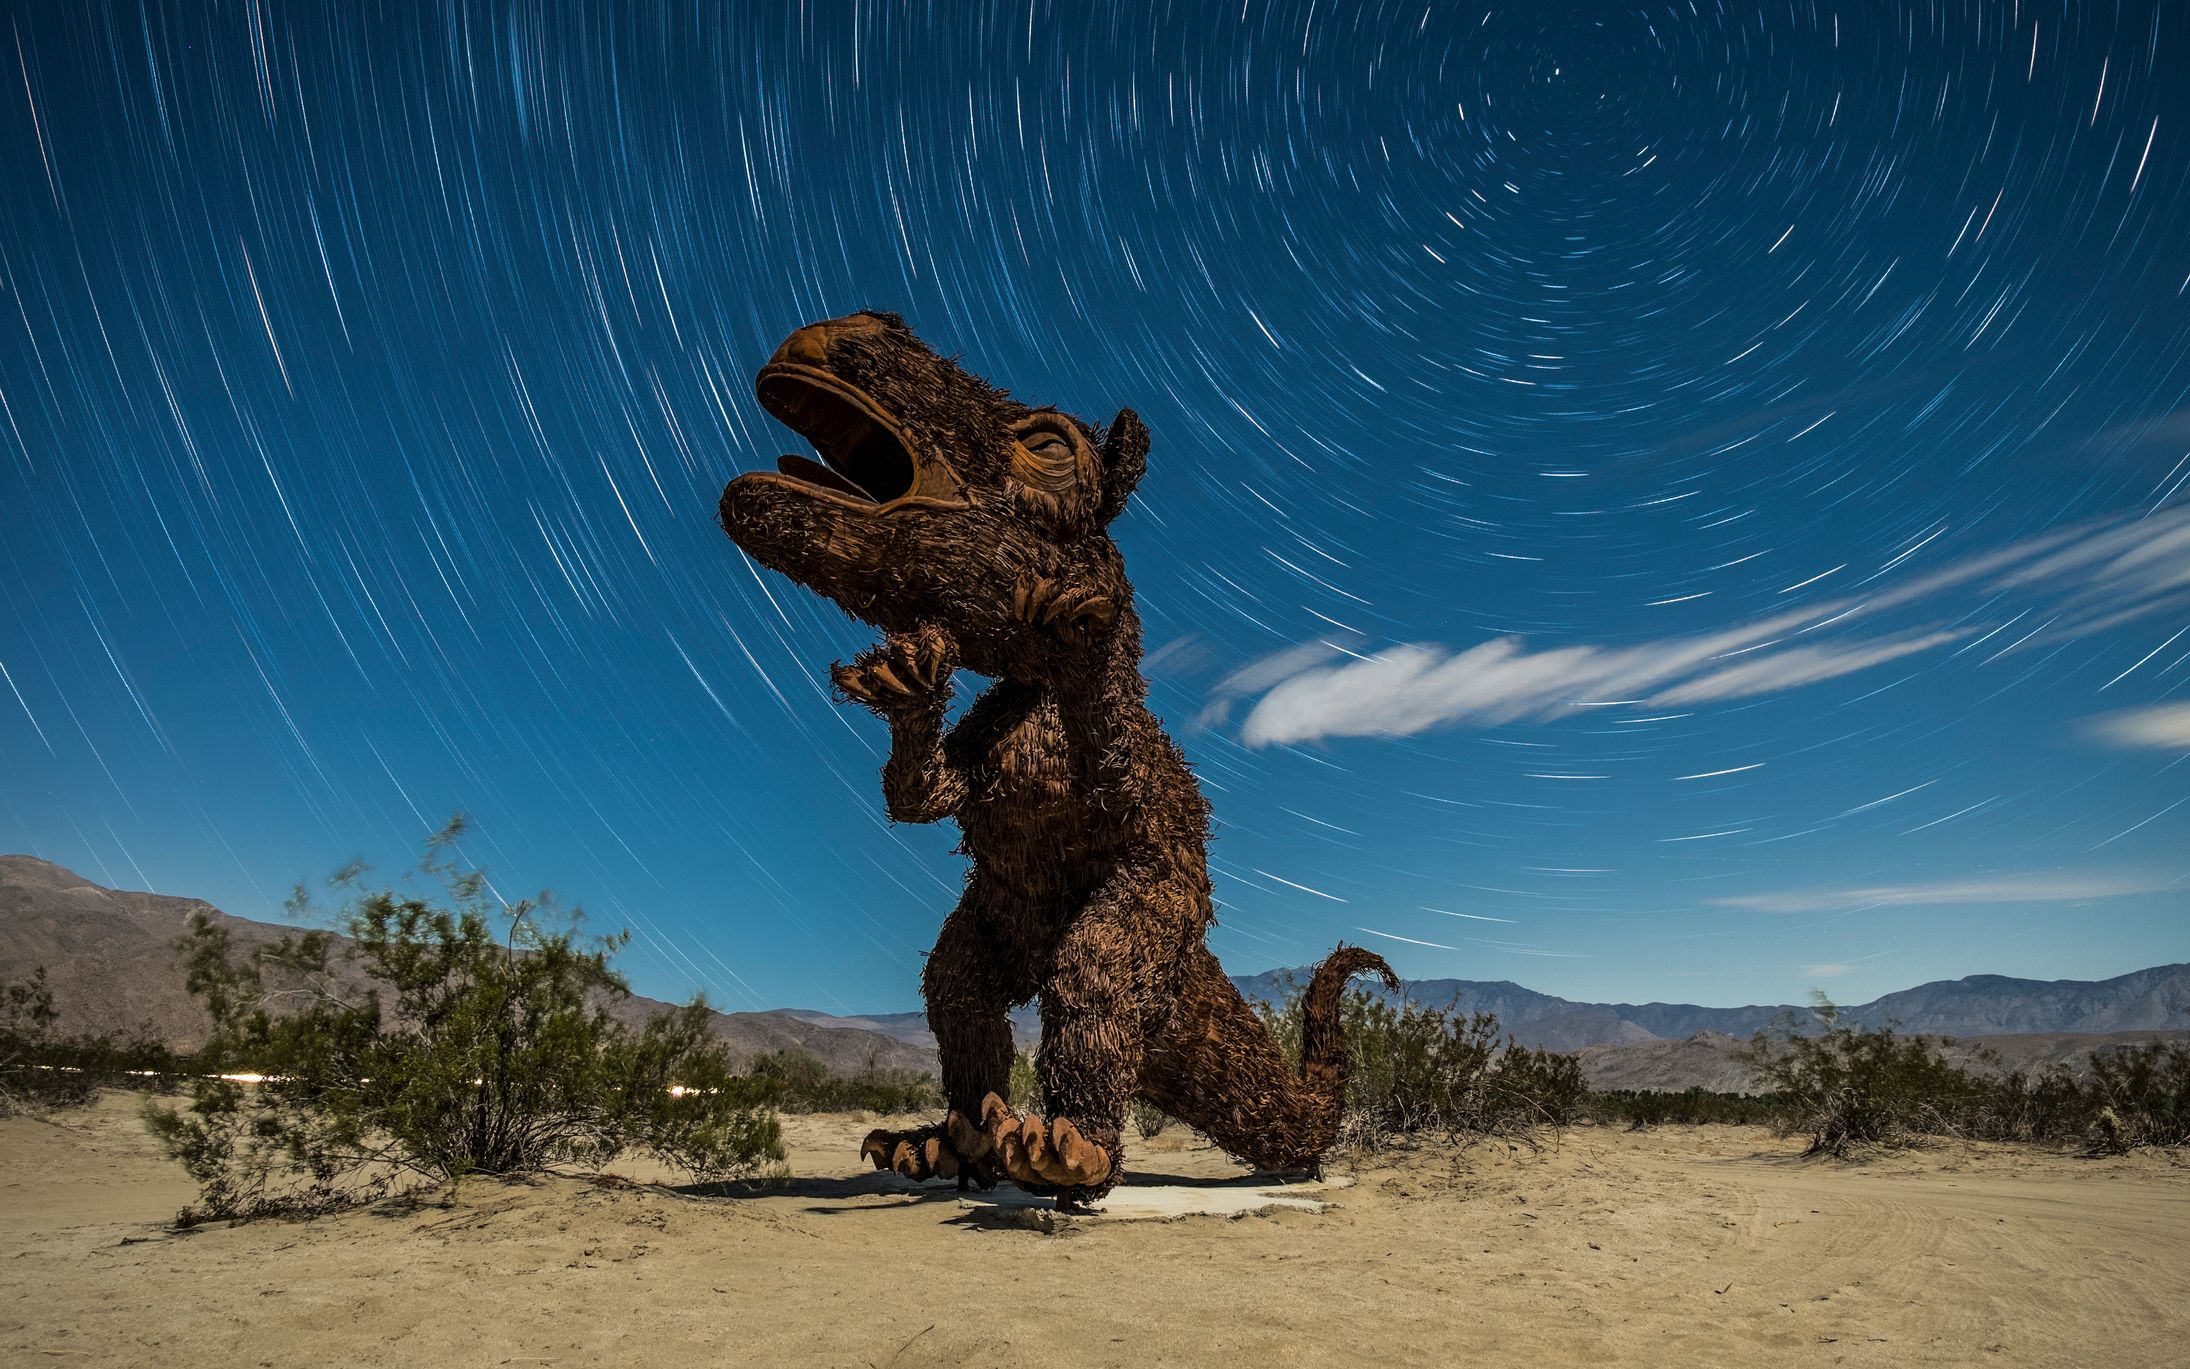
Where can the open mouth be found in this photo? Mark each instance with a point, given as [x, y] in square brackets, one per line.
[862, 456]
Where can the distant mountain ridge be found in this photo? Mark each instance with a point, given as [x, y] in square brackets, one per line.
[2150, 1001]
[2155, 999]
[109, 955]
[110, 959]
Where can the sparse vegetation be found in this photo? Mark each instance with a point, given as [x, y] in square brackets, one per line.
[1026, 1083]
[1849, 1088]
[41, 1069]
[2139, 1097]
[799, 1081]
[1640, 1109]
[1149, 1120]
[473, 1052]
[1419, 1071]
[27, 1076]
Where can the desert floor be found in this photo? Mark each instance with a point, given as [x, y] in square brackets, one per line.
[1679, 1247]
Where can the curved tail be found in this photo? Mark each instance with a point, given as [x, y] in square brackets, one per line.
[1322, 1039]
[1220, 1070]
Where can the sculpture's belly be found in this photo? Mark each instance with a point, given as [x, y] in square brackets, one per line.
[1022, 821]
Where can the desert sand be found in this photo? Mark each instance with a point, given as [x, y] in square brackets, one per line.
[1706, 1246]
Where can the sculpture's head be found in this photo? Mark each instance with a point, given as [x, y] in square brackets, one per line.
[935, 495]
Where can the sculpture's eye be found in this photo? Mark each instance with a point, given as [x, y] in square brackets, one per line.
[1051, 456]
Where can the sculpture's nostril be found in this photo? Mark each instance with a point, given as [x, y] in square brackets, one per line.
[809, 346]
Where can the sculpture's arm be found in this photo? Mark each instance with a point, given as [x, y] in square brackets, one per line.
[906, 679]
[1086, 651]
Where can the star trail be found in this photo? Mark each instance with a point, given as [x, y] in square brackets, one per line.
[1651, 501]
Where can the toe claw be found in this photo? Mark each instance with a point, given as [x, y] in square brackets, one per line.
[906, 1161]
[938, 1159]
[1086, 1162]
[970, 1141]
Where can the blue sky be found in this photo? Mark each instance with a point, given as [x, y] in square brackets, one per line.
[1646, 501]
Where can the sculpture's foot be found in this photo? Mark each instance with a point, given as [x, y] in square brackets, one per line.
[919, 1155]
[1042, 1154]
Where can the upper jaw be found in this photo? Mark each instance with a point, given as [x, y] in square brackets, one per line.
[868, 461]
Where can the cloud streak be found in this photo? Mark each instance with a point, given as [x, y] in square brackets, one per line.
[2164, 727]
[2027, 888]
[2077, 581]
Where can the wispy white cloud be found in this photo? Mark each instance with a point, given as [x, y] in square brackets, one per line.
[2071, 582]
[1831, 970]
[2022, 888]
[2163, 727]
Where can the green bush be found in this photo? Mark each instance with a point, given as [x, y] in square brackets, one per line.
[2053, 1105]
[1418, 1071]
[1639, 1109]
[1026, 1083]
[470, 1052]
[41, 1069]
[2139, 1097]
[1850, 1088]
[29, 1078]
[800, 1082]
[1149, 1120]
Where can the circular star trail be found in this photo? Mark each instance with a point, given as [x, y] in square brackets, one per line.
[1653, 500]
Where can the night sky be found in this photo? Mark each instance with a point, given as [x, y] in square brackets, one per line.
[1674, 501]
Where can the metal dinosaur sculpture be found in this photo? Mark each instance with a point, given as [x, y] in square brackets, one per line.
[972, 530]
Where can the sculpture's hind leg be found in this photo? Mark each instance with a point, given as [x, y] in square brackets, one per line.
[1107, 990]
[972, 979]
[1217, 1069]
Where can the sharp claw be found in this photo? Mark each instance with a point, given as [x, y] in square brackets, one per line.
[939, 1160]
[1089, 1163]
[1011, 1149]
[967, 1139]
[849, 680]
[902, 1158]
[887, 678]
[1044, 1156]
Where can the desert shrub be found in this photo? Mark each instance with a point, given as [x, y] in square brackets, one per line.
[801, 1082]
[1639, 1109]
[2139, 1097]
[1550, 1082]
[1149, 1120]
[2052, 1105]
[42, 1069]
[1026, 1083]
[470, 1052]
[1417, 1071]
[29, 1078]
[1850, 1088]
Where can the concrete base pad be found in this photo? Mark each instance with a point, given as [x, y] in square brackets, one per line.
[1007, 1205]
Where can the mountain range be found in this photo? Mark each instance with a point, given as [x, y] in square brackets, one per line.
[110, 960]
[109, 956]
[1978, 1005]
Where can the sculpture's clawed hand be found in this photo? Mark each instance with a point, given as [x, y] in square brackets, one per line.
[904, 670]
[1076, 615]
[1029, 1149]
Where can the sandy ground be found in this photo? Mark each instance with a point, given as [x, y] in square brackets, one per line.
[1712, 1246]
